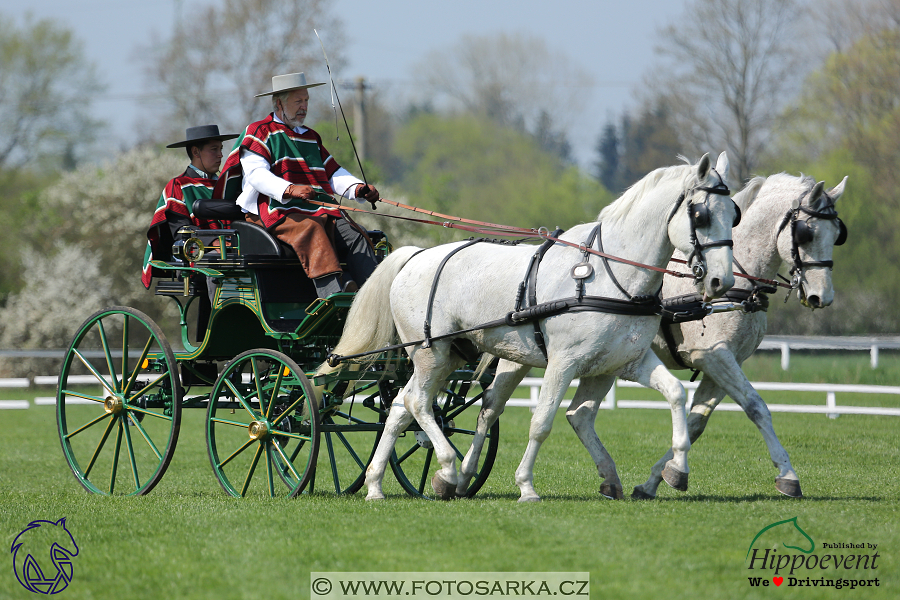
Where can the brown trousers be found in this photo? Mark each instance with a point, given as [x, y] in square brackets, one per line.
[311, 237]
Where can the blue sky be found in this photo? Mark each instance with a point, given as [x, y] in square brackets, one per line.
[611, 40]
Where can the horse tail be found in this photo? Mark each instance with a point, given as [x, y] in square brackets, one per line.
[483, 364]
[370, 323]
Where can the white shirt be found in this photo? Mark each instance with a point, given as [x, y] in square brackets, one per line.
[259, 179]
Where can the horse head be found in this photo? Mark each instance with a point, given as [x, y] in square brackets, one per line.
[700, 226]
[806, 238]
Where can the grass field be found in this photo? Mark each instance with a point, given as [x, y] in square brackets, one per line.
[188, 540]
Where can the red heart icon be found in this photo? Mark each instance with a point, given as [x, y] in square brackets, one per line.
[778, 580]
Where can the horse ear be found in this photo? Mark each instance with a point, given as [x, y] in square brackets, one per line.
[62, 522]
[722, 166]
[703, 167]
[816, 192]
[838, 190]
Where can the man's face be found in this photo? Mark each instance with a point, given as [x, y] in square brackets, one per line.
[293, 108]
[208, 157]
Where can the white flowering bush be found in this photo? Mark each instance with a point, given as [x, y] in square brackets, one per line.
[95, 227]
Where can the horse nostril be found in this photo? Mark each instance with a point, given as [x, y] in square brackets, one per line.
[814, 301]
[716, 283]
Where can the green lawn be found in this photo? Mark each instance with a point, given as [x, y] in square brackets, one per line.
[188, 540]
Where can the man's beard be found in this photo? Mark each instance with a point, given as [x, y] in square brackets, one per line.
[292, 123]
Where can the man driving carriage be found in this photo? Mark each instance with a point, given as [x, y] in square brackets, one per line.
[276, 166]
[175, 208]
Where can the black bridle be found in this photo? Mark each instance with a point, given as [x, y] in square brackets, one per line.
[699, 216]
[802, 233]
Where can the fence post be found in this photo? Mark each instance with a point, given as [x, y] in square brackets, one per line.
[873, 354]
[535, 396]
[610, 396]
[785, 356]
[831, 403]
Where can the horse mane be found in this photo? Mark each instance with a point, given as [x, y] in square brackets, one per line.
[620, 207]
[744, 198]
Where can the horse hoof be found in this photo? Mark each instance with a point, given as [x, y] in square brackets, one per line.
[675, 478]
[639, 494]
[374, 498]
[442, 489]
[613, 491]
[530, 499]
[788, 487]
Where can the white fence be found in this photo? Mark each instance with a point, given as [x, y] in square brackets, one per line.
[786, 343]
[830, 391]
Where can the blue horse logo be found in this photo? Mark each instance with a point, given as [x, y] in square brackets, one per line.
[34, 544]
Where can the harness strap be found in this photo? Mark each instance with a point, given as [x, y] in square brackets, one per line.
[531, 282]
[434, 284]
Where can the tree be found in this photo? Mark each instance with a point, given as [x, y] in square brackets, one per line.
[467, 166]
[211, 71]
[513, 80]
[637, 147]
[727, 67]
[87, 250]
[46, 90]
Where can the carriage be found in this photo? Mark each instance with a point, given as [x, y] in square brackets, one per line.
[272, 427]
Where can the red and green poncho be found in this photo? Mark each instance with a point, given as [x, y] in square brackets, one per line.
[175, 203]
[299, 158]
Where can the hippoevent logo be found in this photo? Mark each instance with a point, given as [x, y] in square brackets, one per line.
[782, 553]
[42, 556]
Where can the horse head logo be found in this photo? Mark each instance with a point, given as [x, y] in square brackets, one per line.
[788, 531]
[38, 546]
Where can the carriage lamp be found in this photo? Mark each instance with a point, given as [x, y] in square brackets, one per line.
[189, 250]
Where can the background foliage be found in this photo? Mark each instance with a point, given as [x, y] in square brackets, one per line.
[486, 138]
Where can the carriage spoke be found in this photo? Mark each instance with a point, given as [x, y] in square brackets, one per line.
[137, 481]
[288, 409]
[109, 358]
[352, 452]
[295, 436]
[90, 466]
[275, 390]
[409, 453]
[93, 371]
[149, 387]
[115, 462]
[269, 471]
[137, 367]
[332, 463]
[240, 399]
[85, 396]
[226, 422]
[252, 469]
[88, 424]
[146, 437]
[287, 462]
[459, 454]
[257, 382]
[458, 430]
[425, 470]
[150, 412]
[235, 453]
[125, 345]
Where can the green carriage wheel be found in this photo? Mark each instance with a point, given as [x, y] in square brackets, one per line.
[262, 426]
[413, 461]
[350, 435]
[118, 404]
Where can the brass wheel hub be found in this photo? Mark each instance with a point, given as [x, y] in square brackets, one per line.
[258, 430]
[113, 405]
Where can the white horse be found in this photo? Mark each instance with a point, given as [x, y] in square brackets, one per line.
[480, 283]
[720, 344]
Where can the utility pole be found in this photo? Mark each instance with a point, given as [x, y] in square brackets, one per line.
[359, 117]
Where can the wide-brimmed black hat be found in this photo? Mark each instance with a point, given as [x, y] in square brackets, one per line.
[202, 133]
